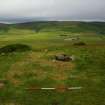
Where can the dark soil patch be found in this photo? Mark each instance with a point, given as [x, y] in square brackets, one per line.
[14, 48]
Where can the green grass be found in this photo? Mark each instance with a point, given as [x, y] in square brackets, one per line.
[36, 68]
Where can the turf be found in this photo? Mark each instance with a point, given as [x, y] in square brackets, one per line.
[37, 67]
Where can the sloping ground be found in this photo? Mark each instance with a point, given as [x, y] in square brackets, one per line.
[38, 68]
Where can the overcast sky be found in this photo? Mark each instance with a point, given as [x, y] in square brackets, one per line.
[24, 10]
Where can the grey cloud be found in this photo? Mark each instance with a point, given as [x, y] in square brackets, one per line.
[52, 10]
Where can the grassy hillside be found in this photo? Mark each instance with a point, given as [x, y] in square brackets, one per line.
[58, 26]
[21, 70]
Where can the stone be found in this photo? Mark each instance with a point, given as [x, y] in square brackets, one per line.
[2, 85]
[63, 57]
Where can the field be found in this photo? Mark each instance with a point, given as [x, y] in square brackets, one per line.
[20, 72]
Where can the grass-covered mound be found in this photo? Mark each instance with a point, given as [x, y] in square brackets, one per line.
[80, 43]
[14, 48]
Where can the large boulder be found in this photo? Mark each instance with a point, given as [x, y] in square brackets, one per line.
[63, 57]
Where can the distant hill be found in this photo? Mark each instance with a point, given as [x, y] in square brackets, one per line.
[4, 27]
[68, 26]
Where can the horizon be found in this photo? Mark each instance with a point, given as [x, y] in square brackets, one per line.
[18, 11]
[23, 21]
